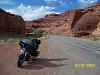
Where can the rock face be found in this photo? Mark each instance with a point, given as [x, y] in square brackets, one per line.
[53, 23]
[86, 25]
[79, 22]
[10, 23]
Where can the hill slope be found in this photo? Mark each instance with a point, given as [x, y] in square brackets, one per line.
[79, 22]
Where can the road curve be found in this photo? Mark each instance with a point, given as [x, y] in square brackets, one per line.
[58, 56]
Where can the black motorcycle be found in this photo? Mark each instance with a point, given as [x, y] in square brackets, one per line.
[27, 53]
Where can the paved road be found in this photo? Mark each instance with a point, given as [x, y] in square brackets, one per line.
[78, 52]
[58, 56]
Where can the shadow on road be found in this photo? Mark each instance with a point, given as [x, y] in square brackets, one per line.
[41, 63]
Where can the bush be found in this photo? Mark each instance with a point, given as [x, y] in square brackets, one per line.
[46, 35]
[38, 33]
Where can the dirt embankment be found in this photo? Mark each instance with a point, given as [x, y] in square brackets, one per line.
[44, 65]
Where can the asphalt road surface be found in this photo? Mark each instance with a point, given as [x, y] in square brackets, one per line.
[59, 55]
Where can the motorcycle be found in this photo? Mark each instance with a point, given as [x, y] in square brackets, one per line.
[25, 55]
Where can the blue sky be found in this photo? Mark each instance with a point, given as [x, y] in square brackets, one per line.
[34, 9]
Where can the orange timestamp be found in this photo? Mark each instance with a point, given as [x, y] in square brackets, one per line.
[85, 65]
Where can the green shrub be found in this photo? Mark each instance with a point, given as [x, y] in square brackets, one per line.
[47, 35]
[38, 33]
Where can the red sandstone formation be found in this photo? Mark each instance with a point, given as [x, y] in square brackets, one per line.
[79, 22]
[10, 23]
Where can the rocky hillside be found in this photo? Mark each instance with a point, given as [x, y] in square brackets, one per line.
[10, 23]
[79, 22]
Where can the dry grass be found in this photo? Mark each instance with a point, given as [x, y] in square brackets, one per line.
[16, 39]
[93, 38]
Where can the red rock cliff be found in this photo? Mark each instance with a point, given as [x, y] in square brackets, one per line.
[79, 22]
[10, 23]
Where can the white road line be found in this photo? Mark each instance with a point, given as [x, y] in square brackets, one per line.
[81, 46]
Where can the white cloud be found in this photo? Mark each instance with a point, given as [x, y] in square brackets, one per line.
[6, 2]
[30, 13]
[63, 3]
[50, 0]
[87, 2]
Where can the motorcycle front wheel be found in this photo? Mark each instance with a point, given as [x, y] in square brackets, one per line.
[20, 60]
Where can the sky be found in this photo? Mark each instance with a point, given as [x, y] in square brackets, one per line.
[34, 9]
